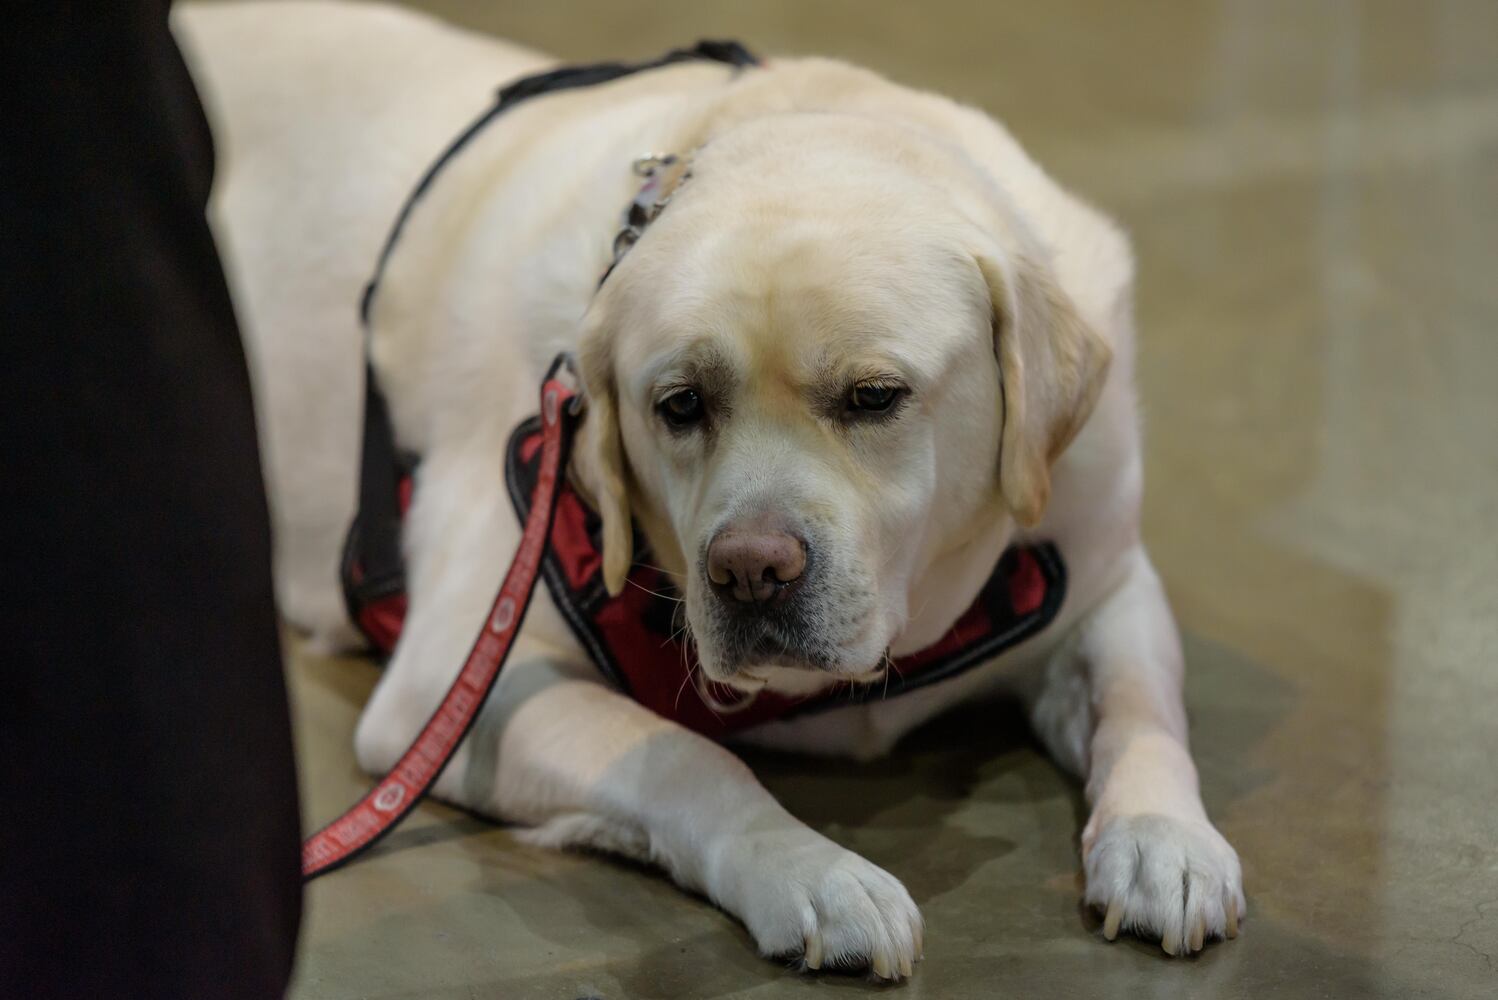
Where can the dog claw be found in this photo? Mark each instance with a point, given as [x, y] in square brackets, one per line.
[814, 951]
[1232, 920]
[881, 966]
[905, 968]
[1112, 920]
[1171, 943]
[1198, 935]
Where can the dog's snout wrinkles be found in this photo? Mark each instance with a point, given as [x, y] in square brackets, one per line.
[754, 567]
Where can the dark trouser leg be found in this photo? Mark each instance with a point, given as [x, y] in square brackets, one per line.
[148, 814]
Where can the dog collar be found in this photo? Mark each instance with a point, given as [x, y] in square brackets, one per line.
[664, 174]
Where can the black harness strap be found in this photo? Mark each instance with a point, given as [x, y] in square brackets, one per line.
[549, 82]
[373, 568]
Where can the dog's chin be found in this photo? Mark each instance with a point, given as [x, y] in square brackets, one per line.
[750, 659]
[789, 674]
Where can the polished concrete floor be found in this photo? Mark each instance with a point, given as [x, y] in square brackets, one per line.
[1312, 188]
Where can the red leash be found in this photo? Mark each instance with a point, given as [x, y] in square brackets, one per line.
[388, 802]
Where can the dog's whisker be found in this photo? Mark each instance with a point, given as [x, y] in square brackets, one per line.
[655, 593]
[688, 657]
[889, 664]
[685, 680]
[660, 569]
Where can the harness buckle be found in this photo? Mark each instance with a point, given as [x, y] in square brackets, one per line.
[566, 362]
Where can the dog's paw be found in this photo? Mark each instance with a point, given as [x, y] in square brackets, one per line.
[811, 900]
[1162, 877]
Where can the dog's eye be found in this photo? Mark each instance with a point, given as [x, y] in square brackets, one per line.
[873, 397]
[682, 408]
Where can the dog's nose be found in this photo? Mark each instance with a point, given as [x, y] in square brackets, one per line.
[754, 566]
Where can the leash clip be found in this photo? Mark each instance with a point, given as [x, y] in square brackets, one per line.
[566, 362]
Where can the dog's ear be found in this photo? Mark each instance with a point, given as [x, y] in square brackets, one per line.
[1051, 366]
[599, 462]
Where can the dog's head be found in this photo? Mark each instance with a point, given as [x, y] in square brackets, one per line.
[831, 360]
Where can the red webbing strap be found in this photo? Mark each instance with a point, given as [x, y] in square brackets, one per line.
[388, 802]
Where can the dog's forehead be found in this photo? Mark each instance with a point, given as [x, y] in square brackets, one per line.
[801, 298]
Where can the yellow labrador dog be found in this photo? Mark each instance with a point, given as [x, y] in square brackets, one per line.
[865, 350]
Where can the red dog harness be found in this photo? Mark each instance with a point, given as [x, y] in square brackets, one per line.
[634, 638]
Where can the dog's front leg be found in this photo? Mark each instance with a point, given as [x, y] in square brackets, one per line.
[587, 766]
[1155, 864]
